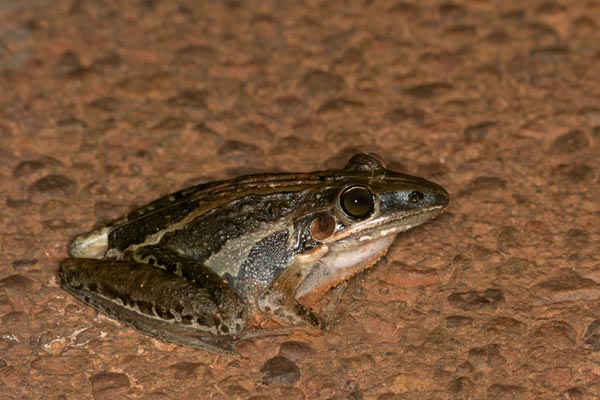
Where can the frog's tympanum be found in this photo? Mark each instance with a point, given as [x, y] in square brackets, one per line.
[206, 265]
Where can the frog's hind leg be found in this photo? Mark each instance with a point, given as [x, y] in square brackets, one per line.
[158, 302]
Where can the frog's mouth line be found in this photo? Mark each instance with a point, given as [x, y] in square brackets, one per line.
[369, 230]
[355, 249]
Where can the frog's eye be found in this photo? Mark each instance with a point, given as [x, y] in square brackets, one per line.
[357, 202]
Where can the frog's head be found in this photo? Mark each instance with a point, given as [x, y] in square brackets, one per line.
[363, 206]
[365, 201]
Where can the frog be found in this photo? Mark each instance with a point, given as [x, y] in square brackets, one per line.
[220, 262]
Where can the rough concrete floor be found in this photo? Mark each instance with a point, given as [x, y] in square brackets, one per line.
[105, 105]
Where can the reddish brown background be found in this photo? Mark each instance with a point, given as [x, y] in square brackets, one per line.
[105, 106]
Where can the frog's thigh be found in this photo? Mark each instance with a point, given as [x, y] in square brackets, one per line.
[156, 301]
[193, 271]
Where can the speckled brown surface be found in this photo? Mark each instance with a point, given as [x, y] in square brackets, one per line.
[105, 106]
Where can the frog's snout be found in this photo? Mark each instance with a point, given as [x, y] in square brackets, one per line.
[441, 197]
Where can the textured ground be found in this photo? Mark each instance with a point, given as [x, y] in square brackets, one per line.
[104, 107]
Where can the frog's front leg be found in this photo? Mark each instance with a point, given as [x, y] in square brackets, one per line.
[170, 297]
[280, 302]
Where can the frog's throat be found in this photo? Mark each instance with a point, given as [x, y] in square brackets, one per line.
[341, 263]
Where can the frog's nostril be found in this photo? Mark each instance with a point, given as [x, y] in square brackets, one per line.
[415, 197]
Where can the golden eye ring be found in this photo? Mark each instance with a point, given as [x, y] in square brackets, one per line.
[357, 202]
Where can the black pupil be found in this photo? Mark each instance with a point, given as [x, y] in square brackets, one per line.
[357, 202]
[415, 197]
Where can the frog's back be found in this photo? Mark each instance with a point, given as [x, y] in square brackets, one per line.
[157, 216]
[139, 223]
[173, 208]
[192, 198]
[146, 224]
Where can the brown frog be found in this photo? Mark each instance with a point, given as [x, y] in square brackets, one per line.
[201, 266]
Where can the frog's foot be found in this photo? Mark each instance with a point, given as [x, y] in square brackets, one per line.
[330, 309]
[350, 292]
[158, 302]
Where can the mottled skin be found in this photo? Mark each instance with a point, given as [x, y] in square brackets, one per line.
[200, 266]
